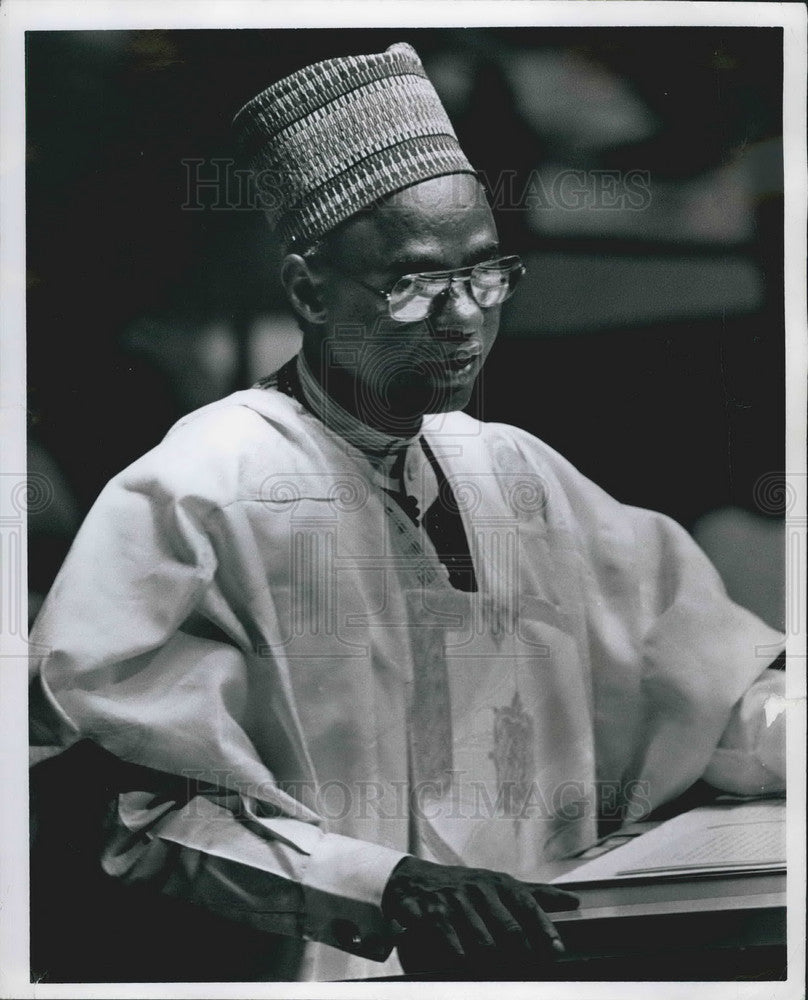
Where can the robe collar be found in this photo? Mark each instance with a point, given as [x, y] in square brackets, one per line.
[368, 439]
[399, 467]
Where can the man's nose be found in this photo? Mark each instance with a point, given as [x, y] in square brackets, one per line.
[459, 306]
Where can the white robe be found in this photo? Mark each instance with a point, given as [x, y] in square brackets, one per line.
[245, 607]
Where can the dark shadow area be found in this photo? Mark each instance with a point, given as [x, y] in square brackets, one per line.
[88, 927]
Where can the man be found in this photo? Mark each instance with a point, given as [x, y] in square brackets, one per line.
[379, 662]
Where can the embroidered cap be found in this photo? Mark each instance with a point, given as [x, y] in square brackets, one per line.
[334, 137]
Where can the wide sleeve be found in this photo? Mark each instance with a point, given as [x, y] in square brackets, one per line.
[280, 876]
[751, 757]
[703, 694]
[679, 679]
[114, 661]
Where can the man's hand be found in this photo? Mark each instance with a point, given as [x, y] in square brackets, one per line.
[457, 917]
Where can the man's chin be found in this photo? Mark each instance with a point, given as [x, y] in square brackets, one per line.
[441, 404]
[412, 403]
[452, 400]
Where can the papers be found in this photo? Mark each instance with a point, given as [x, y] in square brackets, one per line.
[725, 839]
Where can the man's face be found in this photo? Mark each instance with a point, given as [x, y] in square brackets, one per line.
[403, 370]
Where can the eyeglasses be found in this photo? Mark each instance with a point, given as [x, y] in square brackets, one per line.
[414, 296]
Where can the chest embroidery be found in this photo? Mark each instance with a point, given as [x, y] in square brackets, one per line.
[513, 755]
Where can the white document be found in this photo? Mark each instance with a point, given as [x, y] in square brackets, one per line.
[720, 839]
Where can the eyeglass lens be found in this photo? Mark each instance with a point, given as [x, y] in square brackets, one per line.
[491, 283]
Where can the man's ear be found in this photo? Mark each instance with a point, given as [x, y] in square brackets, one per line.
[303, 289]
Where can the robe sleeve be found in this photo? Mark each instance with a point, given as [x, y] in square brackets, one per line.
[750, 758]
[709, 707]
[681, 689]
[217, 851]
[112, 664]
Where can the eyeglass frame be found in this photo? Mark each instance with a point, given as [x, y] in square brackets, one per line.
[453, 274]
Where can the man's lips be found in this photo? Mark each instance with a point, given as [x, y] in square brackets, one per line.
[459, 359]
[471, 350]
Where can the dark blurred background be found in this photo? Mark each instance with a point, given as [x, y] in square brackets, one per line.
[637, 170]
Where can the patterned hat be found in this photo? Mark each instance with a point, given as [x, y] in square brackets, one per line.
[333, 138]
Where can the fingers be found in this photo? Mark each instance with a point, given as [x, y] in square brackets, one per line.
[430, 917]
[516, 904]
[436, 914]
[451, 914]
[553, 899]
[502, 918]
[405, 910]
[470, 925]
[534, 917]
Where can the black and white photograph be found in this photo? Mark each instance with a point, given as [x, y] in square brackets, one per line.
[406, 545]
